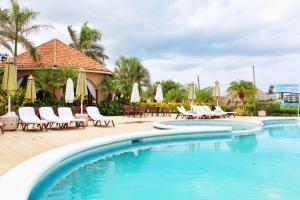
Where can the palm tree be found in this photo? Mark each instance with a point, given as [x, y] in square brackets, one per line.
[129, 71]
[88, 42]
[48, 80]
[15, 26]
[242, 89]
[111, 86]
[132, 70]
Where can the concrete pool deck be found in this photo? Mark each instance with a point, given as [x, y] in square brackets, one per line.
[18, 146]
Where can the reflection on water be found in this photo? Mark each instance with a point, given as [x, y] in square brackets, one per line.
[281, 132]
[243, 144]
[194, 147]
[131, 161]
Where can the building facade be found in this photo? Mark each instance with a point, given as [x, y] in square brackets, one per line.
[55, 54]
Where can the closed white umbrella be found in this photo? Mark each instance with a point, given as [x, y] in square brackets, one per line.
[217, 92]
[135, 95]
[159, 94]
[69, 95]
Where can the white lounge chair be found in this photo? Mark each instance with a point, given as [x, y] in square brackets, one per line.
[228, 114]
[215, 114]
[200, 109]
[186, 114]
[66, 113]
[28, 117]
[48, 114]
[96, 116]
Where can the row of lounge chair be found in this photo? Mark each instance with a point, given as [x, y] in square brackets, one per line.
[202, 112]
[64, 119]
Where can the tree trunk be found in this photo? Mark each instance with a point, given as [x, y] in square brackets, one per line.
[243, 103]
[15, 51]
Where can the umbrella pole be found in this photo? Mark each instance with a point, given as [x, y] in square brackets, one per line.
[81, 106]
[8, 104]
[217, 102]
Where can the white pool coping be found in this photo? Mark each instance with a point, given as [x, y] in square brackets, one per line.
[17, 183]
[256, 126]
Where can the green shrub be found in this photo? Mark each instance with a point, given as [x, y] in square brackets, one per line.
[113, 108]
[286, 111]
[269, 107]
[227, 108]
[186, 105]
[250, 109]
[274, 109]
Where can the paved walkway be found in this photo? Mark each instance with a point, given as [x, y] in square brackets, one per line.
[18, 146]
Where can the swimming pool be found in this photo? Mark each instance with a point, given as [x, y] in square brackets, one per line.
[256, 166]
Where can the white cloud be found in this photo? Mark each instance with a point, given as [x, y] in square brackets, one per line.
[269, 69]
[183, 38]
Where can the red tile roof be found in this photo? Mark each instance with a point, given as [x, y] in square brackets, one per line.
[55, 53]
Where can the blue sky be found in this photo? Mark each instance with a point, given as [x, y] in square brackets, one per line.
[178, 39]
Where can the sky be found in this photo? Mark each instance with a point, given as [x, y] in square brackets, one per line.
[180, 39]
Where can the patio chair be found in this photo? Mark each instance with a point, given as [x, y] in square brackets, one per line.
[228, 114]
[153, 110]
[166, 111]
[48, 114]
[128, 110]
[185, 114]
[28, 117]
[96, 117]
[140, 110]
[66, 113]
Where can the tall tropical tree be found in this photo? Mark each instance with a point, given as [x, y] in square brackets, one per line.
[88, 42]
[16, 24]
[244, 90]
[129, 71]
[205, 95]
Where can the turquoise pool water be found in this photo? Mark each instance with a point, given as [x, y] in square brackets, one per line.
[236, 126]
[261, 166]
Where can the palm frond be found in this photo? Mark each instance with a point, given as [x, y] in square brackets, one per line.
[29, 46]
[74, 36]
[34, 29]
[5, 43]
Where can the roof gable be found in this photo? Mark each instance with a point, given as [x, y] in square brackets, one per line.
[55, 53]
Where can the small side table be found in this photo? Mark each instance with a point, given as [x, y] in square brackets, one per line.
[83, 116]
[9, 121]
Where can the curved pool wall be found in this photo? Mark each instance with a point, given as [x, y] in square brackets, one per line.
[237, 127]
[19, 182]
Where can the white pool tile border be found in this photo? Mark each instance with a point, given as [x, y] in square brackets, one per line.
[17, 183]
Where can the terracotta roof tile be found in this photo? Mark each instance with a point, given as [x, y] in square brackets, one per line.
[55, 53]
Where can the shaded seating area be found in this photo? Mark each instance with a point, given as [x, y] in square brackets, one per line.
[141, 111]
[45, 118]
